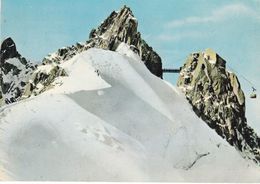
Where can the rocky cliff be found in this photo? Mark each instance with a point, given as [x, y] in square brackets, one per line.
[15, 71]
[217, 98]
[118, 27]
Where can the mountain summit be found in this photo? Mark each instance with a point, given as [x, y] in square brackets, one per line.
[118, 27]
[8, 50]
[122, 27]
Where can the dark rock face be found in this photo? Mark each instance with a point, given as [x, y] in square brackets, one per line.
[15, 71]
[217, 98]
[118, 27]
[8, 49]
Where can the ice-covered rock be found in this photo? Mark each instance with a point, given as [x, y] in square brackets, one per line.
[217, 98]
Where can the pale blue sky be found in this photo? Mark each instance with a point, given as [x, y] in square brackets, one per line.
[174, 28]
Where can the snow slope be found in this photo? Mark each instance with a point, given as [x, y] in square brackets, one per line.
[110, 119]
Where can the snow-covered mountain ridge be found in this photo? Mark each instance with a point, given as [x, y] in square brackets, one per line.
[119, 27]
[110, 128]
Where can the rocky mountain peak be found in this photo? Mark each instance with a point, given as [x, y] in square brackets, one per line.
[118, 27]
[15, 71]
[122, 27]
[216, 96]
[120, 24]
[8, 49]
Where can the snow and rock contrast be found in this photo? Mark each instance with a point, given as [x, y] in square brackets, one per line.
[99, 111]
[217, 98]
[110, 119]
[117, 28]
[15, 71]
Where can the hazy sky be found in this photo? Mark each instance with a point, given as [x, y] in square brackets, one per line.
[174, 28]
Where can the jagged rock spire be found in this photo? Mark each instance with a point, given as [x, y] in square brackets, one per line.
[122, 25]
[216, 96]
[117, 27]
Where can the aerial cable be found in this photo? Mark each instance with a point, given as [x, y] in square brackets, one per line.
[253, 94]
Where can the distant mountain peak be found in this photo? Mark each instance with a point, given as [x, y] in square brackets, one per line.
[126, 11]
[15, 71]
[126, 8]
[118, 27]
[8, 49]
